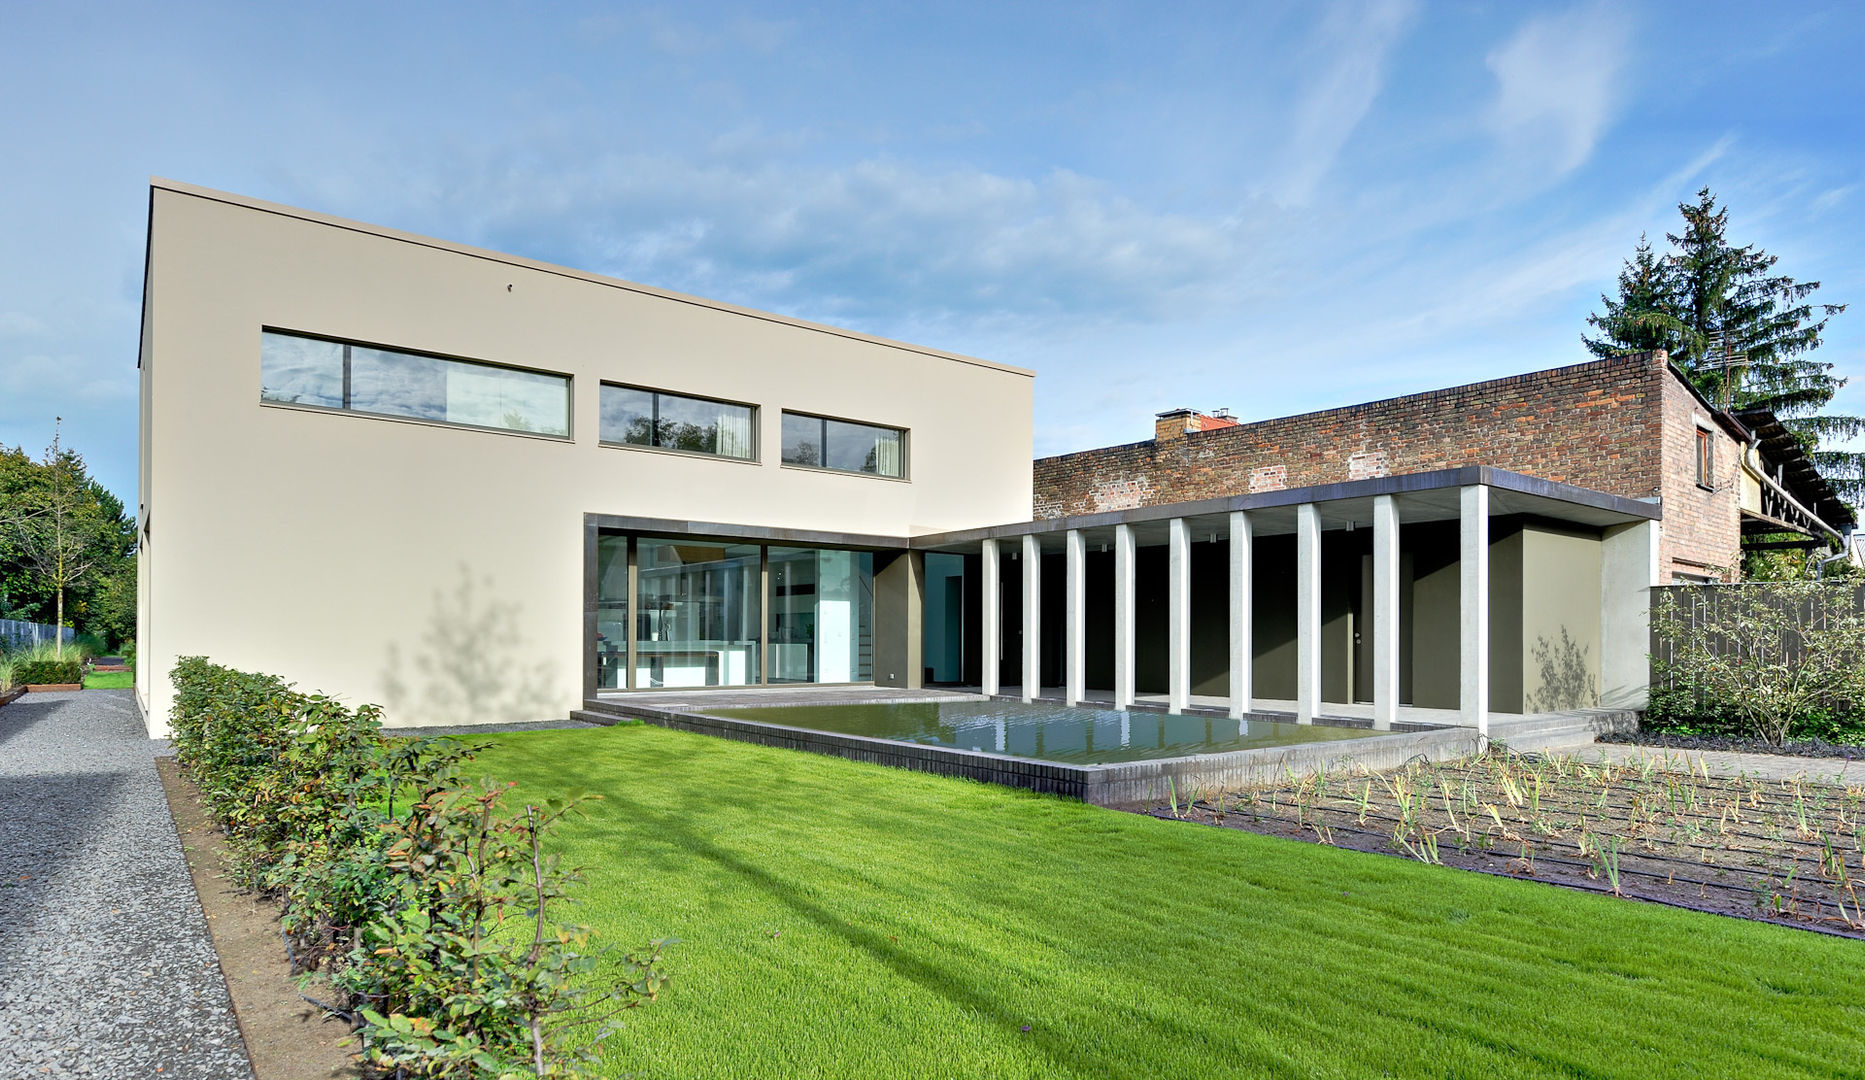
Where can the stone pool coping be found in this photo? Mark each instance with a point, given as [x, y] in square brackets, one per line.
[1115, 784]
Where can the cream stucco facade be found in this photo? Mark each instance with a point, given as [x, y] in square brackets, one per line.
[441, 570]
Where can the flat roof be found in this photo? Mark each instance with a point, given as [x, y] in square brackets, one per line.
[1424, 496]
[244, 202]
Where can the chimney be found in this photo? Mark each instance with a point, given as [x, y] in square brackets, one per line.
[1178, 423]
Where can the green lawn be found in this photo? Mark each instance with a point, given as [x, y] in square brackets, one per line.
[840, 919]
[111, 680]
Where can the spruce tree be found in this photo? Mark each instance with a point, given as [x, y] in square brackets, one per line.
[1629, 324]
[1742, 333]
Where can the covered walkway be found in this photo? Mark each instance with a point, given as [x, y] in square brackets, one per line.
[1431, 598]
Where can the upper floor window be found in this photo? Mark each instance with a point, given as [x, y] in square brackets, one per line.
[697, 425]
[298, 370]
[845, 445]
[1706, 459]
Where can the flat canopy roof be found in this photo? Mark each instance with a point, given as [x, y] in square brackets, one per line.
[1425, 496]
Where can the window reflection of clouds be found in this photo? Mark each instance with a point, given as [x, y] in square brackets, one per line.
[802, 439]
[397, 384]
[301, 371]
[309, 371]
[627, 415]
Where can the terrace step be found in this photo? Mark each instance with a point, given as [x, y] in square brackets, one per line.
[1562, 731]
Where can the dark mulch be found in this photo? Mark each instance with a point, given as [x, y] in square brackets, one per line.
[1785, 852]
[1742, 744]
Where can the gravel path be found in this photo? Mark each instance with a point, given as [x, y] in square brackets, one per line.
[106, 968]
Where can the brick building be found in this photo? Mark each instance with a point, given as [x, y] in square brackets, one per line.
[1630, 426]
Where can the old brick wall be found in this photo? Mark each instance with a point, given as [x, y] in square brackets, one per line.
[1702, 526]
[1596, 425]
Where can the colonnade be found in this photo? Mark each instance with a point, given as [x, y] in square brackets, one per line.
[1473, 692]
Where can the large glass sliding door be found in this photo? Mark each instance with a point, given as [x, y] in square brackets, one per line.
[711, 613]
[822, 616]
[700, 614]
[611, 612]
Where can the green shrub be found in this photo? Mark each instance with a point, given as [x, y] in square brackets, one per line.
[1775, 660]
[397, 875]
[35, 672]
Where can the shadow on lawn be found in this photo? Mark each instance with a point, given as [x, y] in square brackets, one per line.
[951, 984]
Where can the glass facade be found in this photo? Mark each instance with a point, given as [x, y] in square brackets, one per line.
[612, 612]
[822, 616]
[844, 445]
[711, 613]
[299, 370]
[639, 417]
[699, 613]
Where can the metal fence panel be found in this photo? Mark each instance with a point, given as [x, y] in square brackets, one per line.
[19, 634]
[1709, 605]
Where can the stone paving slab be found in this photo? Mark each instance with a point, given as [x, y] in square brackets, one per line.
[106, 967]
[1728, 763]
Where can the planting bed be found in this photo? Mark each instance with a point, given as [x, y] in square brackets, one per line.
[1789, 852]
[1818, 748]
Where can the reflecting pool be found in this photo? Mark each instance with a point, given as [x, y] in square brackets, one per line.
[1077, 735]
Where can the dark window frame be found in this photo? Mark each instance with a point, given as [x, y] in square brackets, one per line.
[1706, 459]
[347, 409]
[755, 457]
[906, 438]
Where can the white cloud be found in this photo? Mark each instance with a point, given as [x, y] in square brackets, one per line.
[1350, 50]
[18, 324]
[1557, 83]
[876, 242]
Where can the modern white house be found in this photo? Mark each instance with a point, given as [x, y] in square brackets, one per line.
[394, 468]
[477, 488]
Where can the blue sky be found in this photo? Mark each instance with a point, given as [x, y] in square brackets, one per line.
[1265, 207]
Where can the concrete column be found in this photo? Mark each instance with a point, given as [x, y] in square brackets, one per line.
[1473, 656]
[1307, 612]
[1032, 618]
[1628, 570]
[990, 620]
[1123, 616]
[1178, 616]
[1076, 665]
[1242, 652]
[899, 618]
[1385, 638]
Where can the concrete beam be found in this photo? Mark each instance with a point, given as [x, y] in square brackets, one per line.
[1178, 616]
[1307, 612]
[1076, 664]
[990, 620]
[1242, 581]
[1123, 616]
[1473, 655]
[1385, 636]
[1032, 619]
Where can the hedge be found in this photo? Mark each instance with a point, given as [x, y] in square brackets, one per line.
[424, 896]
[47, 672]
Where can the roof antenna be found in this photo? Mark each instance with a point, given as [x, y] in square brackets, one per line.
[1732, 362]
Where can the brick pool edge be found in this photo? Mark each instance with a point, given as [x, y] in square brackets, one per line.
[1119, 784]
